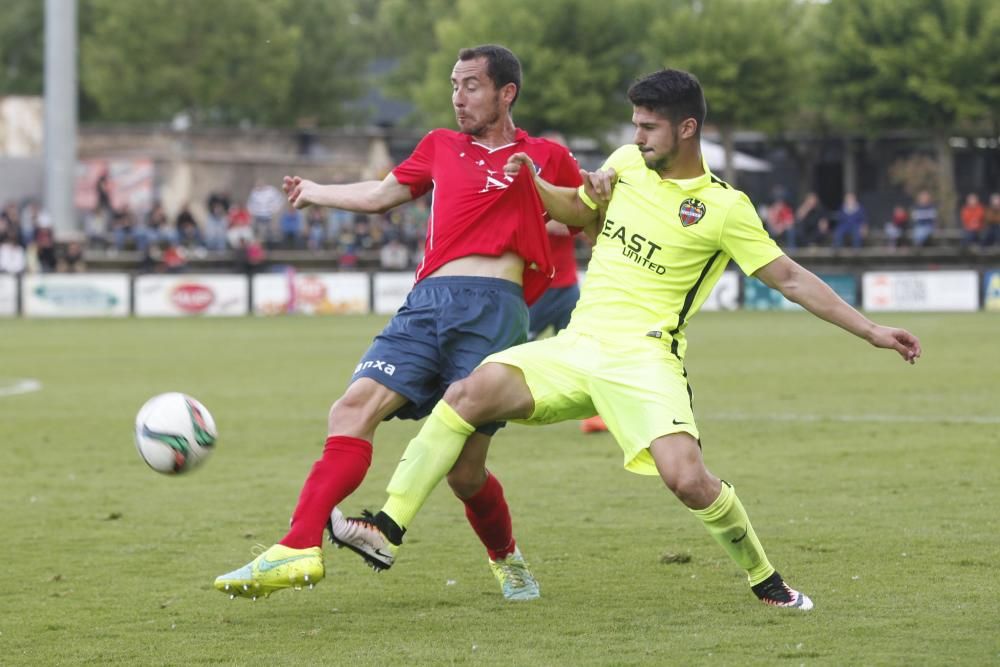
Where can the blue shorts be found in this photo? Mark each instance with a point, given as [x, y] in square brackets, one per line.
[444, 329]
[553, 309]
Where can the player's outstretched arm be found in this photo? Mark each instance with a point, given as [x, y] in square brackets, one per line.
[806, 289]
[361, 197]
[562, 204]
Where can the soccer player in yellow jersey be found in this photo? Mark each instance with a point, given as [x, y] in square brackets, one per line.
[666, 230]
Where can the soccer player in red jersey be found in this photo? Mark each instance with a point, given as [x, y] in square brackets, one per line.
[486, 255]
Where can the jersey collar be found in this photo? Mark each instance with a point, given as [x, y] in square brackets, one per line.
[519, 136]
[695, 183]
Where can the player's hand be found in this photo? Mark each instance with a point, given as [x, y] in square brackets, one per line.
[301, 192]
[598, 185]
[288, 183]
[901, 340]
[516, 162]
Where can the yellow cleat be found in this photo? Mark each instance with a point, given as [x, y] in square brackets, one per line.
[277, 568]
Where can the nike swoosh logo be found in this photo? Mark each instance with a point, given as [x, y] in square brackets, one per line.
[677, 423]
[266, 564]
[737, 540]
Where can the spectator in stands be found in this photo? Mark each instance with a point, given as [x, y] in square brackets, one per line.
[172, 257]
[924, 217]
[394, 256]
[221, 200]
[102, 191]
[895, 229]
[215, 225]
[10, 224]
[264, 203]
[240, 232]
[992, 220]
[291, 228]
[157, 229]
[72, 260]
[31, 214]
[250, 254]
[12, 256]
[316, 225]
[852, 222]
[125, 230]
[781, 222]
[188, 233]
[973, 216]
[45, 247]
[813, 221]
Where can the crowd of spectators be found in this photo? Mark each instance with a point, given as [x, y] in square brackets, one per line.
[811, 225]
[246, 232]
[249, 232]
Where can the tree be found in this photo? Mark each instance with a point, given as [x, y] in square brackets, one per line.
[223, 61]
[333, 50]
[927, 65]
[577, 58]
[745, 54]
[21, 47]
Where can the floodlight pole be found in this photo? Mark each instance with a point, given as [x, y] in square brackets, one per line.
[60, 115]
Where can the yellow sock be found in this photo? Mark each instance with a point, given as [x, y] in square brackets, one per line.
[426, 461]
[729, 524]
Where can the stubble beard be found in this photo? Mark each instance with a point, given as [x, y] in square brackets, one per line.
[492, 119]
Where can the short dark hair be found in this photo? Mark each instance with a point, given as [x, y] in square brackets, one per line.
[672, 93]
[502, 66]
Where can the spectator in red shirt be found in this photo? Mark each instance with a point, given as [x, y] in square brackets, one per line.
[486, 254]
[973, 216]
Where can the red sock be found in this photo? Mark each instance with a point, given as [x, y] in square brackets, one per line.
[489, 515]
[334, 477]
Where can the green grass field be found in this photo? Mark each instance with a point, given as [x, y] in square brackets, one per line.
[872, 484]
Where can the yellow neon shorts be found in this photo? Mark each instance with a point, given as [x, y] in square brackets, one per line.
[639, 388]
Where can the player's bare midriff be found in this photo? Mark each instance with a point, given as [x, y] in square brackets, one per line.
[508, 266]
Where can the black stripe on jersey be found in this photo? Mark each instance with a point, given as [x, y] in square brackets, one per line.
[722, 183]
[689, 299]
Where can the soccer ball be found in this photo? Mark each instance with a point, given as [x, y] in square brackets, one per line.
[174, 433]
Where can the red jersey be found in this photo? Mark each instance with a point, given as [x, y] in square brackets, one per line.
[564, 259]
[476, 209]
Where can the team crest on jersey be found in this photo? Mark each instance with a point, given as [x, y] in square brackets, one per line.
[691, 212]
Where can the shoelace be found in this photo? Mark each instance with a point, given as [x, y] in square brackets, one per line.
[515, 571]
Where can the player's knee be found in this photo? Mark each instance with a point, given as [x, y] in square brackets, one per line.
[466, 398]
[693, 486]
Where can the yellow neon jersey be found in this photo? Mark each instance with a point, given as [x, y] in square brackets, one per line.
[663, 246]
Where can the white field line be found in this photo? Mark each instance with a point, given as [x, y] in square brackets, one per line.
[904, 419]
[24, 386]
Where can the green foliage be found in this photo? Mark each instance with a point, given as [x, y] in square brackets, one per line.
[892, 532]
[746, 54]
[921, 64]
[333, 50]
[222, 61]
[21, 47]
[578, 58]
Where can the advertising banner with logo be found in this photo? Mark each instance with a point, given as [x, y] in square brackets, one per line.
[79, 295]
[311, 293]
[991, 291]
[758, 296]
[191, 295]
[8, 295]
[390, 291]
[921, 291]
